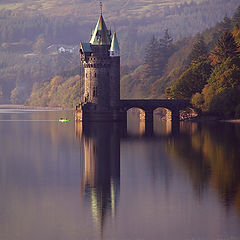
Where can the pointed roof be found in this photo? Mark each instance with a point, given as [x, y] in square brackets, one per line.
[114, 44]
[101, 35]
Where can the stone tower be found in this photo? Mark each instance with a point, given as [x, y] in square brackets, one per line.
[101, 61]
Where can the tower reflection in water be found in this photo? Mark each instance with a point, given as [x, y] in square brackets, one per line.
[101, 175]
[100, 181]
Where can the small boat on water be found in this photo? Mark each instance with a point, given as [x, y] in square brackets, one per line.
[64, 120]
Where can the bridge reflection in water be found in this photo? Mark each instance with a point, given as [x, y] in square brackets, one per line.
[101, 174]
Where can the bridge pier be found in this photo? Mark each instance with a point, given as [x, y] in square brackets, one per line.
[147, 117]
[175, 115]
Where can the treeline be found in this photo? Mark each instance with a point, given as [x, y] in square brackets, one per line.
[19, 73]
[157, 53]
[25, 36]
[183, 20]
[63, 90]
[195, 68]
[204, 155]
[15, 27]
[212, 78]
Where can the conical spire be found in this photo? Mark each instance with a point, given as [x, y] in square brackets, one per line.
[101, 35]
[114, 50]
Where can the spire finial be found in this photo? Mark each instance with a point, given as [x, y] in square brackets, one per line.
[101, 8]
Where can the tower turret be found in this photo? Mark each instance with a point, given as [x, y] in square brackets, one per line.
[114, 50]
[115, 73]
[101, 35]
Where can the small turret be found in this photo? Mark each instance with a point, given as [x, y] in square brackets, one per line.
[114, 50]
[115, 73]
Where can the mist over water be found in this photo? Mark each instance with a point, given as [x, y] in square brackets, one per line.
[111, 181]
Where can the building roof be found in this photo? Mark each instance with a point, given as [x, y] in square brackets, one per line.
[86, 47]
[114, 44]
[101, 35]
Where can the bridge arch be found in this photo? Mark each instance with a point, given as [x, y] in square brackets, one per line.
[137, 110]
[149, 106]
[135, 121]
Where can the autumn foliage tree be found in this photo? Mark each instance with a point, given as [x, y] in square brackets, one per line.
[212, 84]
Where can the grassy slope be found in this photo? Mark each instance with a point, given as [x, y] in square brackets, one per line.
[89, 9]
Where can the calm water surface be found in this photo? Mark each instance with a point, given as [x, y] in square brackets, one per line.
[61, 181]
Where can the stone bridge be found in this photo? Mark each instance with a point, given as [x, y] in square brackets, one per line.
[148, 106]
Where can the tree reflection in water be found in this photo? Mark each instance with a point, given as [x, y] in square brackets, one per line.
[211, 155]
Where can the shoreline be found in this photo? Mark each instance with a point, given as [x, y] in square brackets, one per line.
[197, 119]
[212, 119]
[231, 120]
[16, 106]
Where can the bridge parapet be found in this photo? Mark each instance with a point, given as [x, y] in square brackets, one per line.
[152, 104]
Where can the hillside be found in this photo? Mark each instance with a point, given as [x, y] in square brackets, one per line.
[146, 81]
[186, 65]
[28, 29]
[89, 9]
[135, 21]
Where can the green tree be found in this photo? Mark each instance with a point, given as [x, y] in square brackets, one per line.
[237, 111]
[199, 49]
[151, 60]
[222, 93]
[191, 81]
[167, 40]
[157, 53]
[40, 45]
[236, 17]
[224, 103]
[166, 47]
[16, 97]
[226, 23]
[197, 101]
[226, 47]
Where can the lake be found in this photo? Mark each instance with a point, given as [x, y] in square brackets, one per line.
[67, 181]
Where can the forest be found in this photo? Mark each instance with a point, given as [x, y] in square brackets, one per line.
[26, 32]
[211, 80]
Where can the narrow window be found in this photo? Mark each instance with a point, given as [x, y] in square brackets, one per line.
[95, 74]
[94, 92]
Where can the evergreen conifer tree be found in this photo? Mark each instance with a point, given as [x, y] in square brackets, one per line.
[152, 60]
[226, 47]
[167, 40]
[236, 17]
[199, 49]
